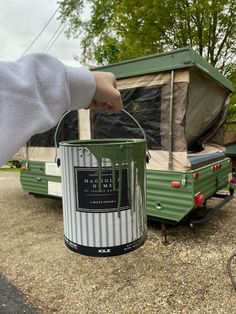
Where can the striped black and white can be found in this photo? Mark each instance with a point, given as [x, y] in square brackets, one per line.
[104, 196]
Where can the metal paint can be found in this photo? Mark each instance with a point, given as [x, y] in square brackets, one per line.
[104, 195]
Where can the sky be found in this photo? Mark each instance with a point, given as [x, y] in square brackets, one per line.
[22, 20]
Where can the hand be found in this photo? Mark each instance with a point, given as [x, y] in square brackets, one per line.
[106, 95]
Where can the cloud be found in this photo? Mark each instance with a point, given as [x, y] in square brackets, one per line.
[20, 23]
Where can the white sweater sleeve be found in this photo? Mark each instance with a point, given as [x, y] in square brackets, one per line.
[34, 93]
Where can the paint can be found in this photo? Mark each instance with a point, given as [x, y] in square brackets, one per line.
[104, 195]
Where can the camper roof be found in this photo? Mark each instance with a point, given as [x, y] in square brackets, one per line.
[177, 59]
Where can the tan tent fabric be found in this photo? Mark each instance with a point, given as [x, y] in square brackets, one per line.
[153, 79]
[42, 153]
[160, 160]
[206, 110]
[179, 110]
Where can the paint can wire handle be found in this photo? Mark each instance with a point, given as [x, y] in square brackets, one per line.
[130, 115]
[56, 159]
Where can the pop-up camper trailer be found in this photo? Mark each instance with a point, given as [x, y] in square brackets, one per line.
[181, 103]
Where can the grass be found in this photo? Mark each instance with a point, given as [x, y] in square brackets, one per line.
[9, 169]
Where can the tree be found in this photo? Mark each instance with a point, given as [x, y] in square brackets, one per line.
[124, 29]
[232, 106]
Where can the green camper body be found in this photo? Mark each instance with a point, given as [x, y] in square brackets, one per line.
[173, 203]
[164, 202]
[35, 180]
[171, 194]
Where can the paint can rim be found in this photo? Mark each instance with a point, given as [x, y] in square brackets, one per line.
[103, 142]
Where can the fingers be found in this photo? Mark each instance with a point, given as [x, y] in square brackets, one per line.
[107, 106]
[116, 103]
[106, 95]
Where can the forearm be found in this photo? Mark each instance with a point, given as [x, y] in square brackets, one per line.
[34, 93]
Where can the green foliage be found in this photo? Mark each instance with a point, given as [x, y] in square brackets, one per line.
[232, 105]
[123, 29]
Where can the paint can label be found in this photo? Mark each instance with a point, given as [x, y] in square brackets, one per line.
[95, 196]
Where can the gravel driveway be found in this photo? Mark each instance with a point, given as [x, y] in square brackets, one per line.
[187, 276]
